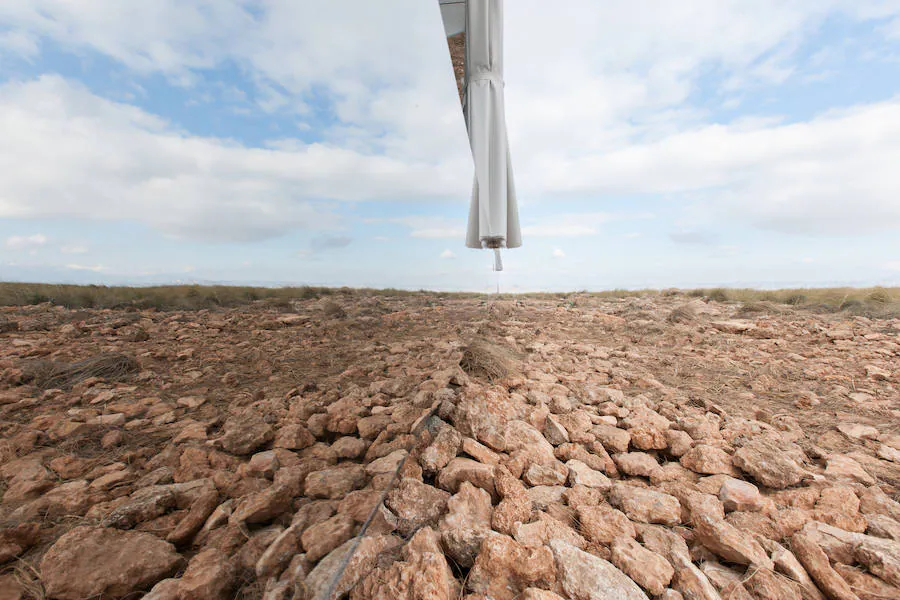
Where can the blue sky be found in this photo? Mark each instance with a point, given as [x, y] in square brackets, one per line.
[655, 144]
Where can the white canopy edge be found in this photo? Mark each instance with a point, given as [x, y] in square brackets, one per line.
[454, 15]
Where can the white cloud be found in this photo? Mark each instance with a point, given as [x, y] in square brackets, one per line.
[448, 254]
[893, 265]
[607, 113]
[557, 253]
[430, 227]
[194, 187]
[75, 249]
[26, 242]
[77, 267]
[567, 225]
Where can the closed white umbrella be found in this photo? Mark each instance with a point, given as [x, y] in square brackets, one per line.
[493, 213]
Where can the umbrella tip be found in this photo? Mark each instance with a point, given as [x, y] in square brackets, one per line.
[498, 262]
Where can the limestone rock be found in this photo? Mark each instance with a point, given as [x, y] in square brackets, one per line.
[587, 577]
[646, 506]
[650, 570]
[93, 561]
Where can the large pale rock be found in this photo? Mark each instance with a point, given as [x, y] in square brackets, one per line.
[708, 460]
[788, 565]
[730, 543]
[209, 576]
[602, 524]
[766, 585]
[636, 464]
[441, 451]
[505, 568]
[615, 440]
[544, 529]
[866, 586]
[883, 526]
[650, 570]
[875, 502]
[361, 562]
[554, 473]
[466, 524]
[690, 581]
[484, 414]
[416, 504]
[94, 561]
[843, 469]
[740, 495]
[881, 557]
[814, 559]
[460, 470]
[294, 436]
[581, 474]
[279, 553]
[554, 432]
[644, 505]
[768, 463]
[584, 576]
[423, 574]
[679, 442]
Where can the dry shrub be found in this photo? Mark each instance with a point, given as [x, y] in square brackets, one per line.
[489, 360]
[333, 309]
[682, 314]
[49, 374]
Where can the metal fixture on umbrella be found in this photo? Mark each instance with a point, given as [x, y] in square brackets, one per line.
[493, 212]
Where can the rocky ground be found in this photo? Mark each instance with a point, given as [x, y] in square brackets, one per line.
[442, 448]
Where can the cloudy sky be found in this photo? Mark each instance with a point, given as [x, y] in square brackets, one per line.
[655, 143]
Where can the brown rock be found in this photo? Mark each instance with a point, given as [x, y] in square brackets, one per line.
[843, 469]
[480, 452]
[729, 581]
[539, 594]
[512, 511]
[602, 524]
[875, 502]
[730, 543]
[554, 473]
[416, 505]
[263, 506]
[768, 463]
[544, 529]
[466, 524]
[736, 494]
[636, 464]
[650, 570]
[554, 432]
[766, 585]
[193, 521]
[690, 581]
[615, 440]
[459, 470]
[90, 561]
[209, 576]
[361, 562]
[581, 474]
[320, 539]
[708, 460]
[587, 577]
[246, 432]
[279, 553]
[866, 586]
[816, 563]
[335, 482]
[423, 574]
[293, 436]
[504, 568]
[679, 442]
[881, 557]
[350, 447]
[883, 526]
[441, 451]
[646, 506]
[788, 565]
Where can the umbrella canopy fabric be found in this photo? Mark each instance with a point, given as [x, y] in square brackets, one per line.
[493, 213]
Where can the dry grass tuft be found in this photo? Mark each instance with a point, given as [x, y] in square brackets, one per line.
[489, 360]
[333, 309]
[682, 314]
[47, 374]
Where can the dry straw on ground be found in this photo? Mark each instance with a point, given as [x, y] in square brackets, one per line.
[489, 360]
[50, 374]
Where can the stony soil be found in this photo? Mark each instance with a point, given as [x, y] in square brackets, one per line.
[660, 446]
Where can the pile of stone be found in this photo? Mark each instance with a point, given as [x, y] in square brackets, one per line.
[411, 479]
